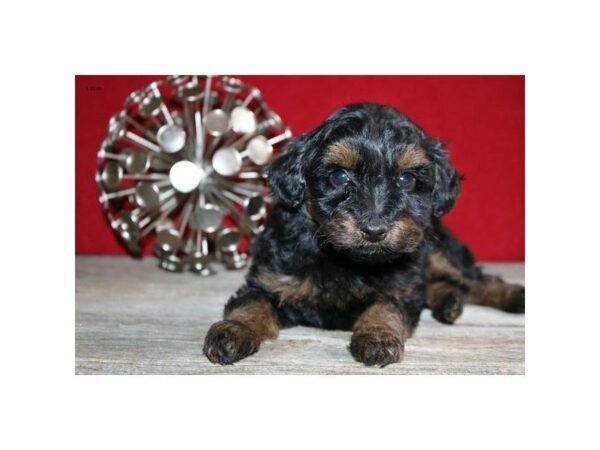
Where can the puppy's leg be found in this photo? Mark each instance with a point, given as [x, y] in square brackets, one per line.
[445, 301]
[249, 320]
[476, 287]
[494, 292]
[379, 334]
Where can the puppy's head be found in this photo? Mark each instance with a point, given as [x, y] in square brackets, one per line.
[370, 178]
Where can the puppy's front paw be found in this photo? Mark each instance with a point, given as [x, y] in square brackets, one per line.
[376, 349]
[229, 341]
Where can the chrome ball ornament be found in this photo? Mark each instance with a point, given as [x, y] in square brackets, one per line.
[182, 165]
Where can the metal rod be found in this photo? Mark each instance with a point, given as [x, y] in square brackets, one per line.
[118, 194]
[149, 227]
[140, 127]
[185, 215]
[148, 177]
[243, 221]
[199, 137]
[163, 108]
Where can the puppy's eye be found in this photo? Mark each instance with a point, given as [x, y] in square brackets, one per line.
[339, 177]
[407, 181]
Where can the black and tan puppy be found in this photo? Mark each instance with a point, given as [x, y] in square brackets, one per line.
[355, 242]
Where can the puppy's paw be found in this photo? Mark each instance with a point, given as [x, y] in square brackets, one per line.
[376, 349]
[229, 341]
[516, 300]
[449, 309]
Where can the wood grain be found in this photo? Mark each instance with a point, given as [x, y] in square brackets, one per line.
[133, 318]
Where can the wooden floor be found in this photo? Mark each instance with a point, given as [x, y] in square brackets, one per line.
[133, 318]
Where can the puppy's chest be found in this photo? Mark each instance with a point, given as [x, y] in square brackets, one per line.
[311, 292]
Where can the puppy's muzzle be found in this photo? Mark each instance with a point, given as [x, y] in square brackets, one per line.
[375, 230]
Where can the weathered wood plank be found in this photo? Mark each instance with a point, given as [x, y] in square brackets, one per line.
[132, 318]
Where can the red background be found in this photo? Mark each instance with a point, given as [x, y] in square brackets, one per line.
[481, 118]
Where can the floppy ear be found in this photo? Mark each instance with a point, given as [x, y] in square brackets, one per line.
[447, 182]
[286, 174]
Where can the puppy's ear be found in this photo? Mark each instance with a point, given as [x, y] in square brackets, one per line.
[447, 181]
[286, 174]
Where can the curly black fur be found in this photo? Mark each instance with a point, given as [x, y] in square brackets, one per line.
[317, 263]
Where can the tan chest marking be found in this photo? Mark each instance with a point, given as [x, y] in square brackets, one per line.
[291, 288]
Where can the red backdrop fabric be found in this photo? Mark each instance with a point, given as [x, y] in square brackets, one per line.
[480, 118]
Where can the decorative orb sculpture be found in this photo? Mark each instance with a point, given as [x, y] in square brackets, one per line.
[183, 163]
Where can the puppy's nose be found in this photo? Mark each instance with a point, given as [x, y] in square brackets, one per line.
[374, 231]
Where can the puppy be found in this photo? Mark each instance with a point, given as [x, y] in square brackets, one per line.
[355, 242]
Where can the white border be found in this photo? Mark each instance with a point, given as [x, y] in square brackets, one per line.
[45, 44]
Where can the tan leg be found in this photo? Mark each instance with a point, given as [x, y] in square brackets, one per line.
[242, 332]
[484, 290]
[496, 293]
[378, 335]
